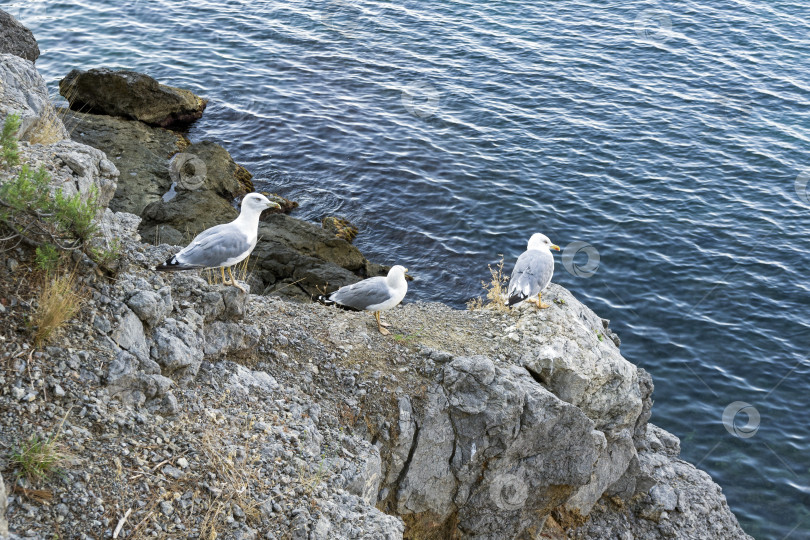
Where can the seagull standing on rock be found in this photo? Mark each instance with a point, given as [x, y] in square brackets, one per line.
[533, 271]
[373, 294]
[224, 245]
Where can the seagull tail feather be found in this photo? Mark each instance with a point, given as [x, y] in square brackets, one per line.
[515, 299]
[172, 265]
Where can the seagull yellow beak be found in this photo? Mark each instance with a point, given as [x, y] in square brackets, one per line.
[555, 247]
[272, 204]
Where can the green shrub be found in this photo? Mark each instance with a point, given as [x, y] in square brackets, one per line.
[77, 215]
[8, 142]
[30, 211]
[47, 257]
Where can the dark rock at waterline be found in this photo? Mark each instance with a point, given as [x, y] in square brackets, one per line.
[152, 160]
[286, 205]
[221, 173]
[340, 227]
[131, 95]
[16, 39]
[140, 152]
[298, 258]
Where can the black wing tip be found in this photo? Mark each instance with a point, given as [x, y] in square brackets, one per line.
[515, 299]
[324, 299]
[171, 265]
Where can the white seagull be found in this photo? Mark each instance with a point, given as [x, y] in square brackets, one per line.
[224, 245]
[373, 294]
[533, 271]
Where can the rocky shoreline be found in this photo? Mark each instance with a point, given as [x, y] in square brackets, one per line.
[184, 409]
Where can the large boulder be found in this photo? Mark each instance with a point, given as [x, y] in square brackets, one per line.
[23, 92]
[131, 95]
[669, 498]
[141, 153]
[16, 39]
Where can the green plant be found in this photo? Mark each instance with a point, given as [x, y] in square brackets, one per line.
[76, 214]
[32, 214]
[106, 255]
[8, 142]
[36, 458]
[47, 257]
[404, 338]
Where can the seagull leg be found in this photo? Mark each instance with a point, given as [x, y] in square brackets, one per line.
[234, 282]
[224, 280]
[383, 331]
[540, 304]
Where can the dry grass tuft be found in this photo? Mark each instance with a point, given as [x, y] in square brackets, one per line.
[496, 291]
[48, 128]
[237, 472]
[58, 303]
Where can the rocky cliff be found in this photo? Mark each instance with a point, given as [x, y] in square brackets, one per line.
[186, 409]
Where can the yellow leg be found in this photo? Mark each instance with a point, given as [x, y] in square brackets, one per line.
[224, 281]
[235, 283]
[540, 304]
[383, 331]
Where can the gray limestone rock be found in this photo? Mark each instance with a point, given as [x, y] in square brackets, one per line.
[178, 348]
[23, 92]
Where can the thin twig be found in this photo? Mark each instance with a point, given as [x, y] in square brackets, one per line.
[121, 522]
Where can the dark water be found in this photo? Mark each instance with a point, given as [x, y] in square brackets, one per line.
[668, 139]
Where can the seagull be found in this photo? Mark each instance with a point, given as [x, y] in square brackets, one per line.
[373, 294]
[533, 271]
[223, 245]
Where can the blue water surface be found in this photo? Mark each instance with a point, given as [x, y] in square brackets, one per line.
[668, 139]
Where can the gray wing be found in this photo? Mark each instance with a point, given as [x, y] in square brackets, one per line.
[214, 246]
[369, 292]
[532, 273]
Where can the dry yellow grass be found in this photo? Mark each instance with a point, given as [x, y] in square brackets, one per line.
[47, 129]
[238, 475]
[59, 301]
[496, 291]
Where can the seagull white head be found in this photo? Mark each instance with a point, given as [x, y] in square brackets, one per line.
[257, 203]
[397, 271]
[540, 242]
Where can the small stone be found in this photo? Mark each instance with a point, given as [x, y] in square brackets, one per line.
[166, 508]
[174, 472]
[183, 463]
[18, 393]
[58, 391]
